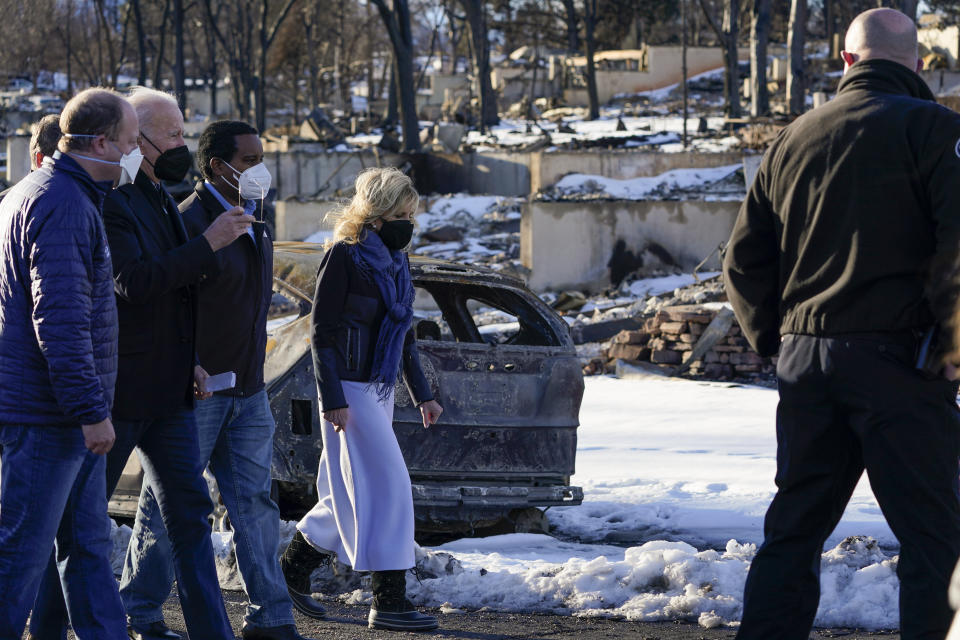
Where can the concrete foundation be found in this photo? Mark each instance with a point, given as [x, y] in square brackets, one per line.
[306, 173]
[567, 245]
[296, 219]
[18, 158]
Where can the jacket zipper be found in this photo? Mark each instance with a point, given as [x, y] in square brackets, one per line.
[351, 348]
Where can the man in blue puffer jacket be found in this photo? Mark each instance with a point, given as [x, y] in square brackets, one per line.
[58, 363]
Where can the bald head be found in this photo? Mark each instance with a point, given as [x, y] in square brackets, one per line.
[883, 34]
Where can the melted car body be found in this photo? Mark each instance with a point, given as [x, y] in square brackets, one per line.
[511, 392]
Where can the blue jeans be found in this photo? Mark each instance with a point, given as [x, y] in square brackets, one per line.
[52, 488]
[236, 436]
[168, 449]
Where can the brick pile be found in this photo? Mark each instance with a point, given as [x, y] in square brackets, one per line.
[667, 340]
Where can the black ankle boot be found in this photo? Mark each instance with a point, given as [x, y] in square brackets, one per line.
[391, 609]
[297, 563]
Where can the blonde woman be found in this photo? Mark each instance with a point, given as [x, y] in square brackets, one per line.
[362, 340]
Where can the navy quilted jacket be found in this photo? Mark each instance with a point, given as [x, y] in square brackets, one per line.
[58, 316]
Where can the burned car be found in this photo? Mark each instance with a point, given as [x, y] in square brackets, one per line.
[500, 362]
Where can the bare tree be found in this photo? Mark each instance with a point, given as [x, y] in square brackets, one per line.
[246, 30]
[179, 69]
[267, 34]
[477, 20]
[397, 22]
[728, 34]
[590, 10]
[909, 7]
[573, 32]
[759, 36]
[141, 43]
[796, 71]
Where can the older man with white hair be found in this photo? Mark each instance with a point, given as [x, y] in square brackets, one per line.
[829, 263]
[156, 266]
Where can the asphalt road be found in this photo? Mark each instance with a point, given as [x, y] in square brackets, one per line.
[350, 623]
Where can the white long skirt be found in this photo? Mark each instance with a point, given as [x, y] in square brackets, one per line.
[364, 511]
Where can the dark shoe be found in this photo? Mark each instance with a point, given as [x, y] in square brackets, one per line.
[391, 609]
[411, 620]
[153, 631]
[283, 632]
[297, 563]
[305, 604]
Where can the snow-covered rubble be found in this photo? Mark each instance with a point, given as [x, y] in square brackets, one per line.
[624, 125]
[720, 183]
[478, 230]
[660, 129]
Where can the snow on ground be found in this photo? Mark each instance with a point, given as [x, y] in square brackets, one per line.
[320, 236]
[688, 460]
[658, 580]
[643, 188]
[677, 475]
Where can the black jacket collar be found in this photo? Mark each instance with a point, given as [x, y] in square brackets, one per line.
[885, 76]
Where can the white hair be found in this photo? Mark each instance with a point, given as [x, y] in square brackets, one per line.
[145, 100]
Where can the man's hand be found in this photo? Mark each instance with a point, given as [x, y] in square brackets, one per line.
[228, 226]
[99, 437]
[338, 417]
[200, 382]
[430, 410]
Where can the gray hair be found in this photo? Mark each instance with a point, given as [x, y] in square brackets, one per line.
[145, 100]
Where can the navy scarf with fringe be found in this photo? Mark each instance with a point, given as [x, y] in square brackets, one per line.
[390, 272]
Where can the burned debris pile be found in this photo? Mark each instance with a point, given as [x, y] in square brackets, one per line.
[690, 333]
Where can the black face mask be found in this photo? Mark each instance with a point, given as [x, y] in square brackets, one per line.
[173, 164]
[396, 234]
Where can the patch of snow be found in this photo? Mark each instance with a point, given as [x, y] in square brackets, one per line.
[684, 460]
[658, 580]
[665, 284]
[643, 187]
[320, 236]
[275, 323]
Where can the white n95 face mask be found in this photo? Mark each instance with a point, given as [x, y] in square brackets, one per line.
[129, 162]
[129, 166]
[254, 182]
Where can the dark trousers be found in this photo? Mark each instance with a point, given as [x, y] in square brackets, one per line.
[169, 449]
[849, 403]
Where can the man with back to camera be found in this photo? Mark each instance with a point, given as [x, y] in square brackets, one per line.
[851, 204]
[44, 136]
[235, 425]
[58, 364]
[155, 266]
